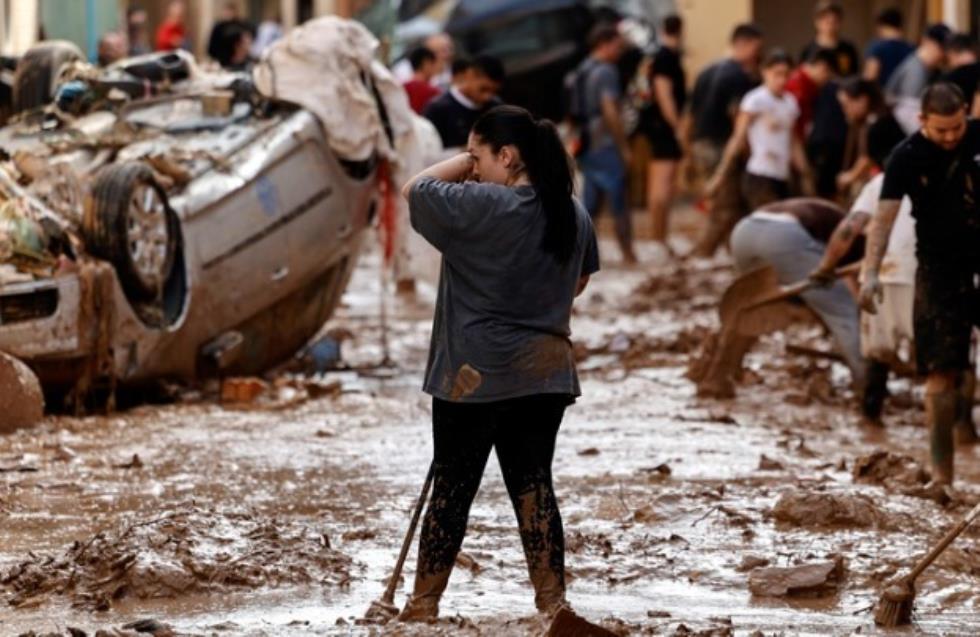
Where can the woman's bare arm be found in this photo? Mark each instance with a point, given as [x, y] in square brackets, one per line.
[456, 168]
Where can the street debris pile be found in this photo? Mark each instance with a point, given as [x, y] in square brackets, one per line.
[52, 156]
[188, 550]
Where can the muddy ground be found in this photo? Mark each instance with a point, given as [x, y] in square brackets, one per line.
[681, 515]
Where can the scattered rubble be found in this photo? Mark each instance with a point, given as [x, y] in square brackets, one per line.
[188, 550]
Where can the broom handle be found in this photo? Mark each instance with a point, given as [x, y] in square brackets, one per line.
[389, 594]
[951, 535]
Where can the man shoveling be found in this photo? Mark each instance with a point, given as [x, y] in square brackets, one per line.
[938, 168]
[787, 238]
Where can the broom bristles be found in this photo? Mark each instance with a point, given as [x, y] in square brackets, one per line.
[895, 606]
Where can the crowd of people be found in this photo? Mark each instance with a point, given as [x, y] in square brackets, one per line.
[234, 42]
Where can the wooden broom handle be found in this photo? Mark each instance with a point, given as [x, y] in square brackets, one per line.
[951, 535]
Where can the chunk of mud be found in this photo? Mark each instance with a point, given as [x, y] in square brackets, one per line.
[467, 381]
[816, 579]
[770, 464]
[134, 463]
[752, 562]
[21, 399]
[467, 561]
[359, 535]
[889, 469]
[186, 551]
[151, 627]
[815, 509]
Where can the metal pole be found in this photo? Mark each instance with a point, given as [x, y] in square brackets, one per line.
[91, 35]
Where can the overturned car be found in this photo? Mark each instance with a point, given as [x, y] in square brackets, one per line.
[206, 227]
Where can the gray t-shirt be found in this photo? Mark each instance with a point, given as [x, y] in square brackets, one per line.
[597, 80]
[910, 79]
[501, 326]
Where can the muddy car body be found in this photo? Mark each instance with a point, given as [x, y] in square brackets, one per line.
[266, 228]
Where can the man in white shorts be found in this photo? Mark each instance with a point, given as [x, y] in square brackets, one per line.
[886, 334]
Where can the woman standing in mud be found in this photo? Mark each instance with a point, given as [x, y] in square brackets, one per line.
[517, 249]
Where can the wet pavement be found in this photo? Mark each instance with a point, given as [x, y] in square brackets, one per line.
[284, 517]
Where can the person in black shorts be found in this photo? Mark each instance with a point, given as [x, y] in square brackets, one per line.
[938, 168]
[660, 123]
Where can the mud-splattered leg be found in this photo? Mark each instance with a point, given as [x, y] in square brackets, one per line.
[966, 429]
[941, 401]
[525, 447]
[875, 391]
[462, 439]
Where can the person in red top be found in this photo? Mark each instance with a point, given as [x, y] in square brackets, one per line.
[805, 83]
[420, 89]
[172, 33]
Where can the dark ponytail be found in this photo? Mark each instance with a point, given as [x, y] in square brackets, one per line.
[548, 168]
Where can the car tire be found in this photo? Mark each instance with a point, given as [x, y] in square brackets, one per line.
[36, 77]
[129, 222]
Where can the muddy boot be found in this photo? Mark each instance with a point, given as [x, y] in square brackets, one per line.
[542, 538]
[965, 430]
[423, 605]
[875, 392]
[941, 416]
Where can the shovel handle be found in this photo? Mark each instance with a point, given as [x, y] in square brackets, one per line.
[789, 291]
[946, 540]
[389, 594]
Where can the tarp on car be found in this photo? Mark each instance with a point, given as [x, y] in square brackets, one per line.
[328, 66]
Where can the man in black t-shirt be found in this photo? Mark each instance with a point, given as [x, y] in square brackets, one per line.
[718, 91]
[828, 18]
[938, 168]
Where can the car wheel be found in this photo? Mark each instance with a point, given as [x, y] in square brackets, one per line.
[37, 73]
[128, 221]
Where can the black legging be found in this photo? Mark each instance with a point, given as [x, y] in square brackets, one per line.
[523, 431]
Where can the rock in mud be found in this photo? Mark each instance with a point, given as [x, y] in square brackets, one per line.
[816, 509]
[816, 579]
[21, 399]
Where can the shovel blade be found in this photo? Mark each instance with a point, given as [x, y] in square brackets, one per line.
[745, 290]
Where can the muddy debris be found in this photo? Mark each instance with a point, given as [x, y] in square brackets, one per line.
[770, 464]
[752, 562]
[889, 469]
[819, 509]
[189, 550]
[816, 579]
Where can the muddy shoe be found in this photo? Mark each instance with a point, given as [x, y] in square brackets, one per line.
[874, 424]
[422, 609]
[965, 433]
[712, 388]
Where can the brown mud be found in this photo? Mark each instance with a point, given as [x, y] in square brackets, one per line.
[284, 516]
